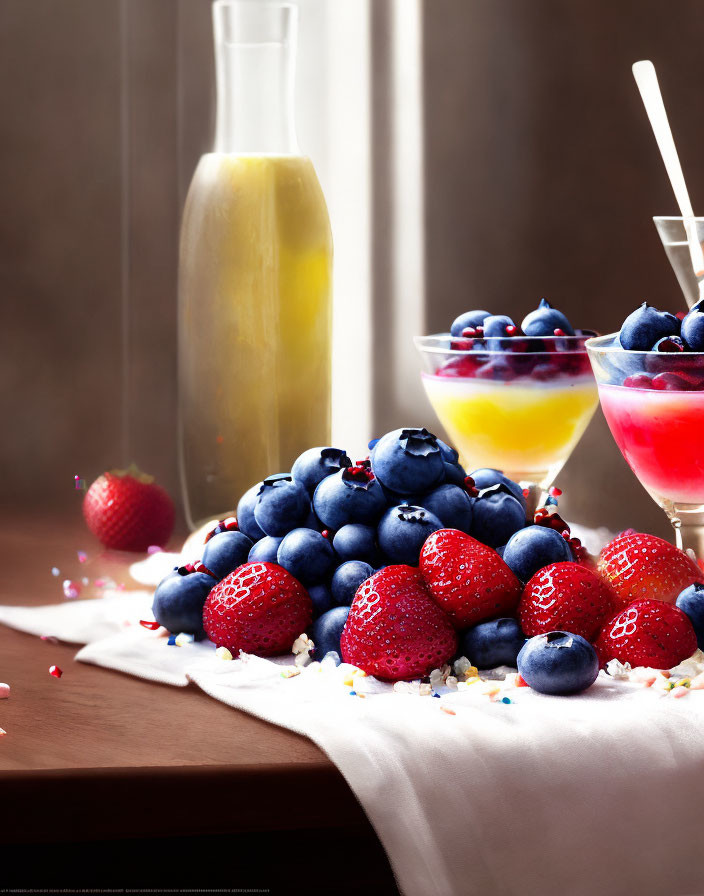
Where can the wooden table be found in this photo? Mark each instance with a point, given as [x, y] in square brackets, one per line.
[98, 767]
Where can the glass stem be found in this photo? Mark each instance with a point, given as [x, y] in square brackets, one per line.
[689, 532]
[535, 498]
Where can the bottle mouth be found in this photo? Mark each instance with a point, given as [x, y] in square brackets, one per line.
[251, 23]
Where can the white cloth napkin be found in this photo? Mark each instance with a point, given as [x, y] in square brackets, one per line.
[597, 794]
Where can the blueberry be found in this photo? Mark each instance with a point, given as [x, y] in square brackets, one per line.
[495, 325]
[356, 542]
[327, 631]
[455, 474]
[225, 552]
[307, 555]
[282, 505]
[498, 368]
[351, 496]
[316, 463]
[496, 515]
[245, 513]
[265, 549]
[558, 663]
[409, 461]
[178, 601]
[493, 643]
[693, 329]
[321, 598]
[451, 505]
[394, 498]
[645, 326]
[545, 320]
[486, 477]
[403, 530]
[691, 602]
[534, 547]
[468, 319]
[670, 344]
[449, 454]
[346, 580]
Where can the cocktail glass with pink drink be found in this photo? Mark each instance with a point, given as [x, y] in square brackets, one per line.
[654, 405]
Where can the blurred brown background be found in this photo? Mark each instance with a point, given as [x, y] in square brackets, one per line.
[541, 179]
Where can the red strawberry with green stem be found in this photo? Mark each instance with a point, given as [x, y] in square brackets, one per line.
[468, 580]
[639, 566]
[647, 633]
[127, 511]
[259, 608]
[567, 597]
[395, 630]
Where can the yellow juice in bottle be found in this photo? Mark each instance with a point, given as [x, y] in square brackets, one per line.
[255, 323]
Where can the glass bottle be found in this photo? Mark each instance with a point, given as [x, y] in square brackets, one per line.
[255, 275]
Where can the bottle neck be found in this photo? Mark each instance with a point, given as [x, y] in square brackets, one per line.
[255, 49]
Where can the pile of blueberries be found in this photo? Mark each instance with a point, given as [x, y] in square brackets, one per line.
[332, 523]
[496, 348]
[648, 330]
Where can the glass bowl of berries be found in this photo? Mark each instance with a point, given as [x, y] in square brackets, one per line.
[650, 377]
[512, 397]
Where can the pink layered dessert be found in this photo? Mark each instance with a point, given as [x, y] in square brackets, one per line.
[661, 435]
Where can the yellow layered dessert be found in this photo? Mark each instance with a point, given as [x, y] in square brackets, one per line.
[525, 427]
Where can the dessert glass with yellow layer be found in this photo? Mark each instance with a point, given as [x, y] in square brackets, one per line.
[519, 404]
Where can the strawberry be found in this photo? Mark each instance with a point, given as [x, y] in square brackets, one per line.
[645, 566]
[395, 630]
[259, 608]
[127, 511]
[647, 633]
[565, 596]
[467, 579]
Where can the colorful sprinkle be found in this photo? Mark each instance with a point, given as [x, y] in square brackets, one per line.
[55, 671]
[71, 589]
[222, 653]
[353, 693]
[184, 638]
[155, 549]
[506, 700]
[85, 580]
[291, 672]
[79, 483]
[2, 732]
[55, 571]
[152, 625]
[449, 711]
[555, 492]
[172, 641]
[349, 679]
[82, 556]
[4, 690]
[50, 638]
